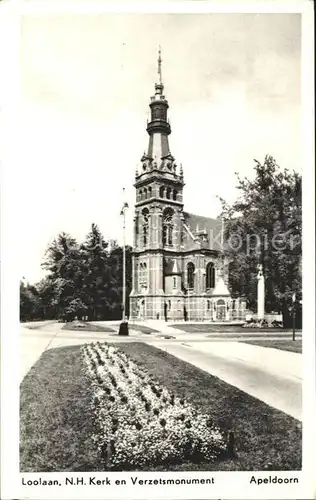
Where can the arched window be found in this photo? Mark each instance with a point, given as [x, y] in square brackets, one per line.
[167, 227]
[140, 194]
[143, 274]
[145, 193]
[145, 214]
[149, 192]
[210, 275]
[145, 235]
[190, 271]
[140, 274]
[174, 194]
[208, 305]
[164, 235]
[162, 192]
[168, 193]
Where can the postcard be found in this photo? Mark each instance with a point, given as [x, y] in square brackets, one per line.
[158, 276]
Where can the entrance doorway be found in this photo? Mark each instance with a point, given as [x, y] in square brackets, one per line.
[221, 310]
[142, 309]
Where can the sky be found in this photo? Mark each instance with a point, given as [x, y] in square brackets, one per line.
[233, 86]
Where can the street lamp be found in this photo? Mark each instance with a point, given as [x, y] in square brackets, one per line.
[124, 324]
[293, 313]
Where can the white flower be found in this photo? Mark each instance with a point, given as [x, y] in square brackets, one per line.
[124, 407]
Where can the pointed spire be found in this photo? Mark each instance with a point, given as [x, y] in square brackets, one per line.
[159, 66]
[159, 85]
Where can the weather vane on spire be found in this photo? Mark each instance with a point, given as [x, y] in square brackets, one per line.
[159, 65]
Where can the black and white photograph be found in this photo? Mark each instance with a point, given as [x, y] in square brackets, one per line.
[158, 189]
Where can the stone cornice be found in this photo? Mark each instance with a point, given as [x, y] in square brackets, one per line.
[161, 201]
[158, 175]
[171, 252]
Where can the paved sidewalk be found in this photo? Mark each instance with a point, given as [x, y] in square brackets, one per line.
[32, 344]
[268, 376]
[268, 359]
[48, 335]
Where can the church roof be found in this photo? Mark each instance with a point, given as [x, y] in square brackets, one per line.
[220, 288]
[206, 229]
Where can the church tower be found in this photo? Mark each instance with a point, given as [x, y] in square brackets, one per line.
[158, 231]
[179, 271]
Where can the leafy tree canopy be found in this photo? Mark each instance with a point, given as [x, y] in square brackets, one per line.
[264, 227]
[84, 280]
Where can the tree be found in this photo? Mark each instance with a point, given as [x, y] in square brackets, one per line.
[83, 280]
[96, 281]
[29, 302]
[116, 265]
[264, 227]
[46, 295]
[65, 266]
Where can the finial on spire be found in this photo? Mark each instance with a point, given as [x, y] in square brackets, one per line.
[159, 65]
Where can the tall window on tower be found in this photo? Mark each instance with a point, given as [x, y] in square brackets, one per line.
[145, 215]
[142, 275]
[210, 276]
[167, 227]
[190, 271]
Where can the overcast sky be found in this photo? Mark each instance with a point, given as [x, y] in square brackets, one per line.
[233, 86]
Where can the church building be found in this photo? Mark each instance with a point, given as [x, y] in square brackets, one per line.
[179, 270]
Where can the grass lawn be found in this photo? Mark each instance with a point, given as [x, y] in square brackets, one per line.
[56, 424]
[142, 328]
[36, 324]
[265, 437]
[88, 327]
[283, 344]
[213, 328]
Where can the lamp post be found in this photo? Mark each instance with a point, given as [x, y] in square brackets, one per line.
[260, 293]
[293, 313]
[124, 324]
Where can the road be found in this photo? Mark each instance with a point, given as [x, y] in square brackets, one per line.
[271, 375]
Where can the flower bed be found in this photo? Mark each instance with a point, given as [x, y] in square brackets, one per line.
[140, 423]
